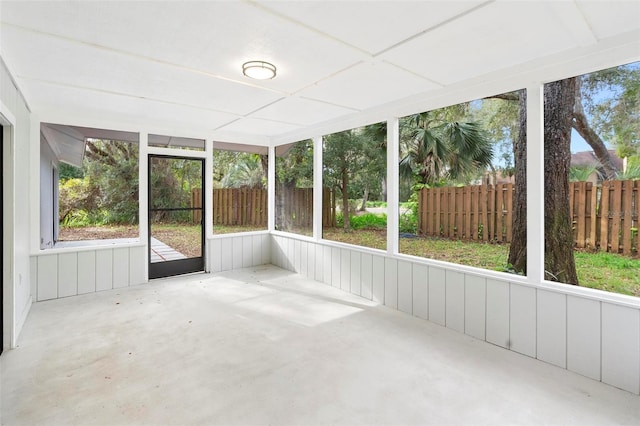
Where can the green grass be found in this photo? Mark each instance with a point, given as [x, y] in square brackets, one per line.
[372, 238]
[478, 254]
[221, 229]
[609, 271]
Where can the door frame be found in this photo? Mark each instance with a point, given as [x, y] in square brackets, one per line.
[7, 127]
[182, 266]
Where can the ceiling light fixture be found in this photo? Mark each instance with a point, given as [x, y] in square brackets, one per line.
[259, 70]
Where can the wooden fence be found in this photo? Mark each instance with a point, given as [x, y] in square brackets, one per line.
[234, 206]
[295, 208]
[604, 217]
[246, 206]
[481, 212]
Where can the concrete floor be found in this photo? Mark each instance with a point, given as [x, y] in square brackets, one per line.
[265, 346]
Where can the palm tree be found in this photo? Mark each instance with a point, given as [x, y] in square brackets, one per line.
[435, 149]
[246, 171]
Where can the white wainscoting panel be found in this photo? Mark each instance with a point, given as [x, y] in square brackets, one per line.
[226, 254]
[87, 272]
[290, 259]
[247, 251]
[497, 315]
[319, 263]
[621, 347]
[522, 314]
[326, 265]
[136, 265]
[345, 270]
[377, 272]
[33, 274]
[437, 295]
[215, 254]
[297, 256]
[366, 271]
[120, 267]
[243, 251]
[454, 300]
[420, 290]
[405, 287]
[67, 274]
[304, 258]
[311, 261]
[335, 266]
[475, 306]
[391, 283]
[552, 328]
[583, 336]
[355, 279]
[47, 277]
[236, 250]
[257, 242]
[104, 270]
[266, 250]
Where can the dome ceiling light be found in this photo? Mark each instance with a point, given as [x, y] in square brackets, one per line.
[259, 70]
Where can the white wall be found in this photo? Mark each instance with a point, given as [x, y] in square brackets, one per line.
[591, 334]
[12, 103]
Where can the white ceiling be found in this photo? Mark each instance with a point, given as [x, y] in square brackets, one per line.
[177, 65]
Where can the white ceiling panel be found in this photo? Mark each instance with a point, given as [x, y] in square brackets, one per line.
[611, 17]
[176, 32]
[368, 85]
[258, 127]
[494, 37]
[301, 111]
[80, 65]
[216, 37]
[109, 107]
[371, 25]
[301, 56]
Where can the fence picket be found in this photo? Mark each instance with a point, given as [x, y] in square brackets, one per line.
[509, 208]
[627, 209]
[592, 235]
[616, 215]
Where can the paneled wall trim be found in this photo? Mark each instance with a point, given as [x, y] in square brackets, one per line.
[235, 251]
[597, 338]
[63, 273]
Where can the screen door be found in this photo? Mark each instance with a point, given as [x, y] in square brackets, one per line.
[176, 214]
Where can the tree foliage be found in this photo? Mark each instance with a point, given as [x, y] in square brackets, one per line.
[106, 189]
[237, 169]
[438, 150]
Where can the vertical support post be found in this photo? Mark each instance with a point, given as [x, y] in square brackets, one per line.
[208, 200]
[34, 183]
[317, 188]
[143, 196]
[393, 183]
[271, 190]
[535, 182]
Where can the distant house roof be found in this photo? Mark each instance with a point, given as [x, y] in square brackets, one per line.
[589, 159]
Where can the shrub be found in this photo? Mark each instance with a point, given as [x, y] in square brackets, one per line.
[368, 221]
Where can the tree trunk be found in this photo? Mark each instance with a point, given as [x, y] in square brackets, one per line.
[559, 100]
[345, 200]
[581, 124]
[518, 248]
[365, 198]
